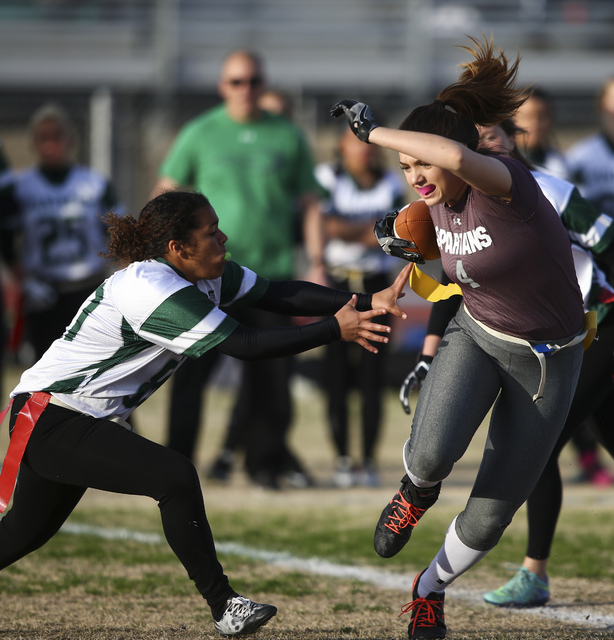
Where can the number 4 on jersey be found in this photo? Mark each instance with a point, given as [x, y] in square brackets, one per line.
[462, 276]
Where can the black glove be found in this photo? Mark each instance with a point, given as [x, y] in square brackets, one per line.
[414, 380]
[359, 117]
[393, 246]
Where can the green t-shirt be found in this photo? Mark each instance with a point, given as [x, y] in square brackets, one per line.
[253, 174]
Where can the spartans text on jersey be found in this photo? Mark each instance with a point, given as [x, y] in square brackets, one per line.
[463, 243]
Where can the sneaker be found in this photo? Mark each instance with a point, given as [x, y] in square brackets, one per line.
[602, 478]
[344, 473]
[243, 616]
[367, 475]
[427, 617]
[593, 471]
[266, 479]
[222, 466]
[299, 479]
[525, 589]
[401, 515]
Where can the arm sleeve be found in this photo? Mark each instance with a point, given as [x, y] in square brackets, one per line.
[298, 298]
[248, 343]
[442, 312]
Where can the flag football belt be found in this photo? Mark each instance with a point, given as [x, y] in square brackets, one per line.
[24, 425]
[431, 290]
[543, 349]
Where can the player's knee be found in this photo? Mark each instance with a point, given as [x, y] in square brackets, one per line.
[430, 467]
[482, 529]
[179, 477]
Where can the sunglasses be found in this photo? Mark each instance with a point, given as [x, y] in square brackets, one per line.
[253, 82]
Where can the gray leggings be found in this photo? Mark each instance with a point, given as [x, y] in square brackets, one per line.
[472, 370]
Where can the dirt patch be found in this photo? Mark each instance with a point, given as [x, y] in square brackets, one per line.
[339, 610]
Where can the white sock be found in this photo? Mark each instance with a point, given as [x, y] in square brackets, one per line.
[451, 561]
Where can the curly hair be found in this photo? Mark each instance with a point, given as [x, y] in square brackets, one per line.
[172, 215]
[484, 94]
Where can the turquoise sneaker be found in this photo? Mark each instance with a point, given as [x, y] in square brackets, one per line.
[525, 589]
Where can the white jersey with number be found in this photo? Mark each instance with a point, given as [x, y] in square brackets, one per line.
[347, 200]
[591, 163]
[132, 333]
[62, 228]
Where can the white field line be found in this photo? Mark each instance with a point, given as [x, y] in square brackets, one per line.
[382, 579]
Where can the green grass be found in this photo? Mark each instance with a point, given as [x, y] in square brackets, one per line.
[338, 526]
[327, 533]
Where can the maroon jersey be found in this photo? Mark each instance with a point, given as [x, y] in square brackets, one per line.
[512, 260]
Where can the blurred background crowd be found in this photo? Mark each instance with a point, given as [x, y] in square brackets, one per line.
[129, 74]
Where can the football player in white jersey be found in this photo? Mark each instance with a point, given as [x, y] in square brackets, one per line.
[58, 205]
[591, 159]
[127, 338]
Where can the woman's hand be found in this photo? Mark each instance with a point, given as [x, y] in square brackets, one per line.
[358, 115]
[387, 298]
[356, 326]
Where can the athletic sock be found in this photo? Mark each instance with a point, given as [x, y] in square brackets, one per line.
[451, 561]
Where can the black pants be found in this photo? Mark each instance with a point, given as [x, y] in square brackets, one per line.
[69, 452]
[594, 396]
[186, 402]
[262, 413]
[349, 366]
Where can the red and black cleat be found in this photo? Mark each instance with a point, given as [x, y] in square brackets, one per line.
[427, 616]
[401, 515]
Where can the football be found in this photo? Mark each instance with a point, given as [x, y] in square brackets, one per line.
[414, 223]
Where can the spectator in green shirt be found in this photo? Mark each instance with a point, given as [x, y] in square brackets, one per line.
[257, 171]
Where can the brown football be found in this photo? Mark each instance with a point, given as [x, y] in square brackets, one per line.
[414, 223]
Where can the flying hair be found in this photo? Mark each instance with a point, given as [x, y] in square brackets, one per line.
[485, 91]
[484, 94]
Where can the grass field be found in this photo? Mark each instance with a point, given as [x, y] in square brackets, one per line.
[110, 575]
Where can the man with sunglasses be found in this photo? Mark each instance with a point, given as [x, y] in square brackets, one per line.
[256, 169]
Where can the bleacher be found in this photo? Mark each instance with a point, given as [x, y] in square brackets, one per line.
[314, 44]
[159, 60]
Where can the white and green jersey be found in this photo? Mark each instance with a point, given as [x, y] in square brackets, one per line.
[132, 333]
[587, 228]
[61, 224]
[591, 163]
[345, 199]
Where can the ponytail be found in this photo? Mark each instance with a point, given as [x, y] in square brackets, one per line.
[484, 94]
[172, 215]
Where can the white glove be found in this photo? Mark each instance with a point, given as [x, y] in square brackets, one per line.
[413, 380]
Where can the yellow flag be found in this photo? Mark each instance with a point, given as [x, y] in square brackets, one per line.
[429, 289]
[590, 324]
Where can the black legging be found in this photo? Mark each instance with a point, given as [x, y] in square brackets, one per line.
[69, 452]
[186, 406]
[262, 415]
[594, 395]
[349, 365]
